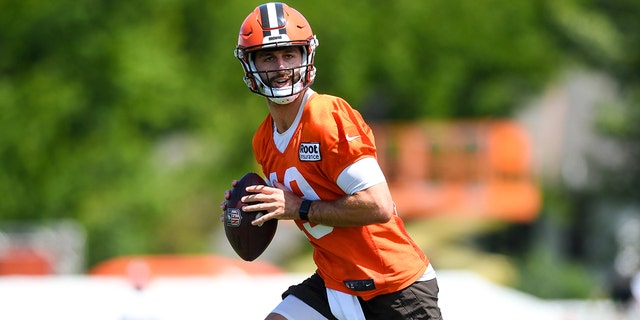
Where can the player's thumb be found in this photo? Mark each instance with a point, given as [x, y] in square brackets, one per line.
[280, 186]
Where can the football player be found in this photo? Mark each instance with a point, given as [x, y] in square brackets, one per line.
[320, 157]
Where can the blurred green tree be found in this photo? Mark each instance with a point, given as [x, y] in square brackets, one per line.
[116, 114]
[575, 237]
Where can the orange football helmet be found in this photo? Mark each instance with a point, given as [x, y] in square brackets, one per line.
[274, 25]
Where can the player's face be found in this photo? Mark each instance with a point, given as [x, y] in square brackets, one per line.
[279, 68]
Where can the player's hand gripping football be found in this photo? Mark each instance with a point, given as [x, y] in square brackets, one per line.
[279, 202]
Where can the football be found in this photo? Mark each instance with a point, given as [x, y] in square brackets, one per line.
[247, 240]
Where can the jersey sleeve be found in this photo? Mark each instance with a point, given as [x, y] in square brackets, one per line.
[345, 135]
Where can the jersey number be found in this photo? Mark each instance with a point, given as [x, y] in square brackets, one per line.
[293, 175]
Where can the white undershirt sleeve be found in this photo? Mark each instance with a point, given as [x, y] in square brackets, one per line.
[360, 175]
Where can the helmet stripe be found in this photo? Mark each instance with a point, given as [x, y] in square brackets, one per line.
[273, 20]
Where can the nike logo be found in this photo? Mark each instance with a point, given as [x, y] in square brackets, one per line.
[350, 138]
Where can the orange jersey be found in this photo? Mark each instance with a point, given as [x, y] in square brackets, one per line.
[329, 137]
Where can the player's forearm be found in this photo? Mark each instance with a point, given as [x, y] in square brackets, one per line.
[373, 205]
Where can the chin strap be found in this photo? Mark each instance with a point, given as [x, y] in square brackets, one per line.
[284, 100]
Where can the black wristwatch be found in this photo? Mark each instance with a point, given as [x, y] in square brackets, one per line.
[304, 210]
